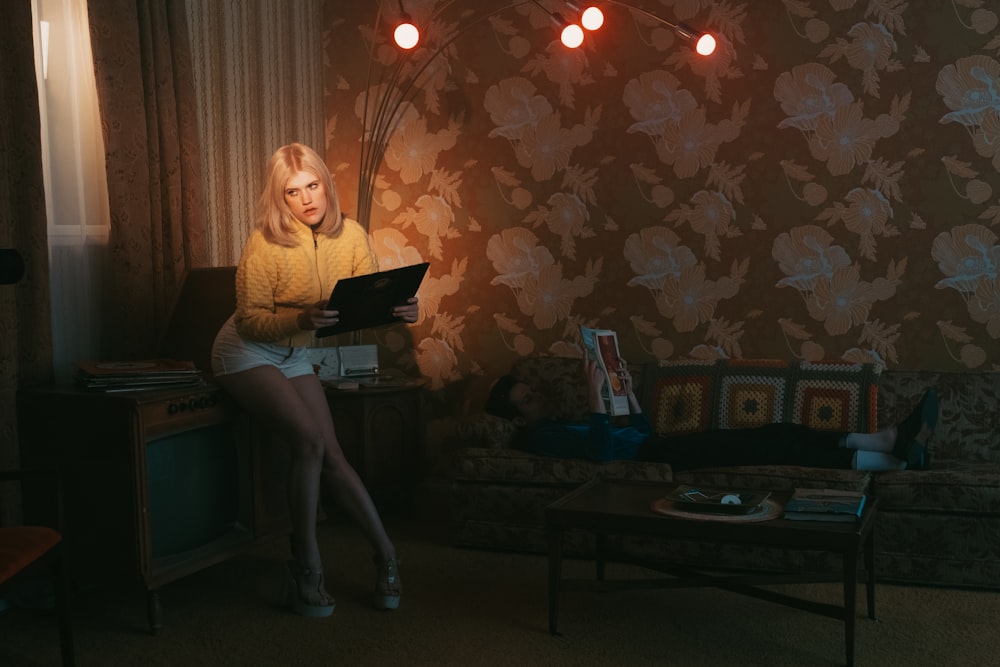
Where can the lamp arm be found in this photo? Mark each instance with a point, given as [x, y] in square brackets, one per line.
[371, 158]
[680, 28]
[364, 109]
[386, 118]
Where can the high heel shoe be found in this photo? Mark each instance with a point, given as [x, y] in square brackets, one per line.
[315, 602]
[388, 585]
[914, 433]
[918, 456]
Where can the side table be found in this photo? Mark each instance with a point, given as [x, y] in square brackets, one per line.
[382, 428]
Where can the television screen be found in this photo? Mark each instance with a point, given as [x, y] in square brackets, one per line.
[193, 488]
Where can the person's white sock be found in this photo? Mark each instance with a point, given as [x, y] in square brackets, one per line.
[880, 441]
[877, 461]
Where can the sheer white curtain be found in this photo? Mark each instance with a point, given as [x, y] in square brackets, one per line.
[76, 198]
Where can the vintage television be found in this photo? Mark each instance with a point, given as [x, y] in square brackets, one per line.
[163, 483]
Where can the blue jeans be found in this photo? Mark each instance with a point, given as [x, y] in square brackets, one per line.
[772, 444]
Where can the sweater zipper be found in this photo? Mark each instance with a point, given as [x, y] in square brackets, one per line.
[319, 278]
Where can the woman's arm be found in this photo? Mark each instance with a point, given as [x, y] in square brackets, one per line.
[575, 440]
[633, 403]
[258, 316]
[593, 377]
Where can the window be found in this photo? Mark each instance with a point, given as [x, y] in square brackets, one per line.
[76, 198]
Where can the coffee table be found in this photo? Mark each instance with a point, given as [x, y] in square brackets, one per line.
[624, 508]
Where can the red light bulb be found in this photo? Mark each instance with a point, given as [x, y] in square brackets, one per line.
[592, 18]
[705, 45]
[572, 36]
[406, 35]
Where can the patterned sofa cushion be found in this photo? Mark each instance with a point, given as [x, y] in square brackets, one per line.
[970, 420]
[686, 396]
[483, 430]
[559, 378]
[953, 487]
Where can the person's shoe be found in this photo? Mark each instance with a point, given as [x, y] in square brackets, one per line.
[913, 434]
[918, 456]
[304, 593]
[388, 585]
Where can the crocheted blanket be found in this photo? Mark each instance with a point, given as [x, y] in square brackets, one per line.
[693, 396]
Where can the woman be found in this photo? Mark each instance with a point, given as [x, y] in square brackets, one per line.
[899, 447]
[301, 246]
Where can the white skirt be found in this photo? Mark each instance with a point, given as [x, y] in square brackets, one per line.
[231, 353]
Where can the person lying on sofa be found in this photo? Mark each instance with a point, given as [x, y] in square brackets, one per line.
[900, 447]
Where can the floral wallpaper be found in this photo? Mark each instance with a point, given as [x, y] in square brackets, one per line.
[824, 186]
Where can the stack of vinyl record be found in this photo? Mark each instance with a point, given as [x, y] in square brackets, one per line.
[137, 375]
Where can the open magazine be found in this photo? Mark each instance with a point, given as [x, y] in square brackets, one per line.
[602, 345]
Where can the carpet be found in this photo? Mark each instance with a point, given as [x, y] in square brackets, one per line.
[471, 607]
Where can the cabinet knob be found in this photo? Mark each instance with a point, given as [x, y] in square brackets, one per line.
[192, 404]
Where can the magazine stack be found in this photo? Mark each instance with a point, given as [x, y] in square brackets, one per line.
[825, 505]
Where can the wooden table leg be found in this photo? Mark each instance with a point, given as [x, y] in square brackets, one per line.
[869, 551]
[154, 612]
[60, 566]
[850, 600]
[600, 558]
[555, 575]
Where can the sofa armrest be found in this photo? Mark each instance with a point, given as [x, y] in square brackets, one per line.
[485, 431]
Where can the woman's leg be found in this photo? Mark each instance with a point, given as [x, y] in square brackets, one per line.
[341, 479]
[877, 461]
[270, 397]
[879, 441]
[351, 494]
[772, 444]
[918, 426]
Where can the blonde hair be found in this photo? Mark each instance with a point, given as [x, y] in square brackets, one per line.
[273, 217]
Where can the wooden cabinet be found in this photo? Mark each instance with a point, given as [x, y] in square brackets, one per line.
[382, 428]
[158, 484]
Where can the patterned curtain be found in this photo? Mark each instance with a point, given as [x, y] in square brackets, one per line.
[258, 73]
[25, 332]
[142, 64]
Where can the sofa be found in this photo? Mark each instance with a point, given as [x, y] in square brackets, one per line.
[939, 526]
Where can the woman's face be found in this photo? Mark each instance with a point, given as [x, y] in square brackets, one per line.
[306, 197]
[531, 406]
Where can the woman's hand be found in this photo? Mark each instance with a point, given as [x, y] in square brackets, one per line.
[626, 376]
[593, 375]
[316, 316]
[408, 312]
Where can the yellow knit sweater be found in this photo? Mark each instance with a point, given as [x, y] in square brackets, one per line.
[274, 282]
